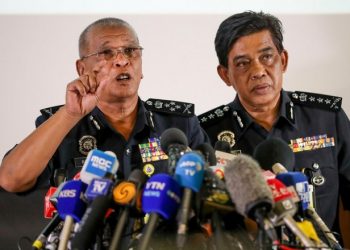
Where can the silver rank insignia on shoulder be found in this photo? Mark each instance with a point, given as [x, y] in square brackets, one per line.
[170, 107]
[86, 144]
[213, 114]
[227, 136]
[317, 100]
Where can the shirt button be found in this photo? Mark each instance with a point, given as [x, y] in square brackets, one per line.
[128, 151]
[315, 166]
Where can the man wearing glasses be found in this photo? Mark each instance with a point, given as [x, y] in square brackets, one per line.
[103, 111]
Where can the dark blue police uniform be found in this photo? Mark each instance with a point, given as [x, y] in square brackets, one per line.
[314, 126]
[142, 150]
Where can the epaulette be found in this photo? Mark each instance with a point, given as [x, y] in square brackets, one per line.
[327, 102]
[214, 115]
[170, 107]
[47, 112]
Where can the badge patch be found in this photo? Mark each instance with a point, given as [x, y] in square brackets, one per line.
[227, 136]
[86, 144]
[311, 143]
[148, 169]
[152, 151]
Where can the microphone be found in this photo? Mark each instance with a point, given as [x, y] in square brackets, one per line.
[332, 241]
[223, 146]
[301, 185]
[174, 143]
[250, 192]
[126, 193]
[300, 182]
[70, 207]
[98, 187]
[96, 170]
[161, 197]
[223, 155]
[274, 150]
[214, 194]
[284, 210]
[189, 174]
[41, 239]
[98, 164]
[49, 207]
[208, 153]
[50, 212]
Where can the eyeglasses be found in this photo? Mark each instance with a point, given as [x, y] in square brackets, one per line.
[108, 54]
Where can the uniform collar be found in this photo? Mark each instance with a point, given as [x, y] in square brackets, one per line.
[287, 109]
[243, 120]
[98, 119]
[241, 117]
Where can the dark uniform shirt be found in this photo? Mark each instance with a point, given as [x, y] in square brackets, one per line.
[142, 150]
[314, 126]
[93, 131]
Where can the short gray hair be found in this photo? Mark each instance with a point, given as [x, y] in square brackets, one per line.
[104, 22]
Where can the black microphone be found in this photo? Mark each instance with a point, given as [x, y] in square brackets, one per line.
[41, 239]
[126, 193]
[161, 198]
[189, 174]
[272, 151]
[90, 222]
[98, 171]
[174, 143]
[250, 192]
[208, 153]
[223, 146]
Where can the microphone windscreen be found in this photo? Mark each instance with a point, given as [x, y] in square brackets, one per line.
[137, 176]
[246, 185]
[98, 164]
[189, 172]
[172, 136]
[90, 223]
[208, 152]
[70, 202]
[274, 150]
[223, 146]
[161, 195]
[301, 184]
[98, 187]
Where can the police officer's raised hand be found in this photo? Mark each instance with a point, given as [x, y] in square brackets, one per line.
[82, 94]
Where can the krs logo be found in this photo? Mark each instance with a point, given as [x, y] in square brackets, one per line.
[69, 193]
